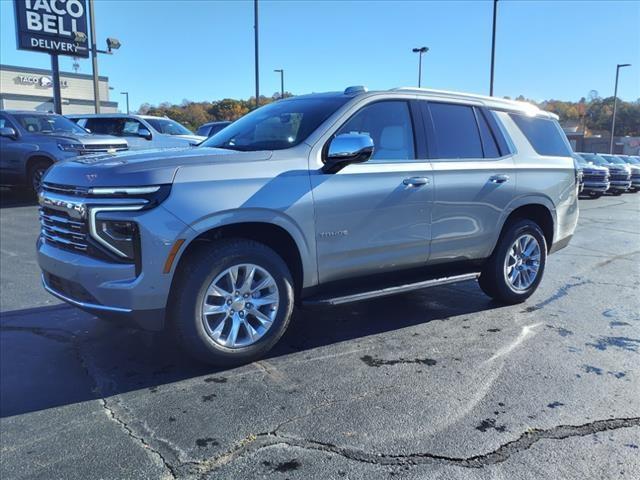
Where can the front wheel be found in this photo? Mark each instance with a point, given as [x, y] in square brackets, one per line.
[515, 269]
[232, 302]
[35, 174]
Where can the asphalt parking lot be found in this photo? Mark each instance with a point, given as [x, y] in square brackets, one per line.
[440, 383]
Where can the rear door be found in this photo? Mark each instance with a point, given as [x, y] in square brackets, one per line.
[373, 217]
[474, 180]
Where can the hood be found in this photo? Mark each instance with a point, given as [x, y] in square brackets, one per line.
[618, 168]
[88, 139]
[191, 138]
[139, 168]
[594, 168]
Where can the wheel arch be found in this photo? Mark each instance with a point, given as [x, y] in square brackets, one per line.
[540, 211]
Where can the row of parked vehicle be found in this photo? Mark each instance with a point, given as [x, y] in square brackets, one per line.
[602, 173]
[31, 141]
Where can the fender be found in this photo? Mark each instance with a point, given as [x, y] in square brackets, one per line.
[257, 215]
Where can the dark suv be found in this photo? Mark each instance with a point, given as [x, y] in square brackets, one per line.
[31, 141]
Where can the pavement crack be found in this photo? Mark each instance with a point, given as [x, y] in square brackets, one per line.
[146, 445]
[525, 441]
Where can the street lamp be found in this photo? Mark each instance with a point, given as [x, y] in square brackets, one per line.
[126, 94]
[493, 45]
[281, 72]
[615, 105]
[420, 51]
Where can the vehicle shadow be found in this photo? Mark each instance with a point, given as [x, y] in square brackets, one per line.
[16, 197]
[55, 356]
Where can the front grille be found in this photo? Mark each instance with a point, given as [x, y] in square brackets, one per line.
[105, 147]
[62, 231]
[620, 177]
[596, 176]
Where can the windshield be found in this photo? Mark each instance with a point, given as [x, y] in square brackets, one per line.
[279, 125]
[595, 159]
[34, 123]
[168, 127]
[614, 159]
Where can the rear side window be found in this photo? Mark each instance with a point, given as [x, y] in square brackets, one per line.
[456, 131]
[106, 126]
[543, 134]
[489, 144]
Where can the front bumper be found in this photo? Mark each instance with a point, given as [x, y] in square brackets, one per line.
[597, 187]
[117, 290]
[620, 185]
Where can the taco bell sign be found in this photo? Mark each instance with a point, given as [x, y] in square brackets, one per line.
[49, 26]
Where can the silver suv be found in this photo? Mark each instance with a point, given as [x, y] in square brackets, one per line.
[319, 199]
[141, 131]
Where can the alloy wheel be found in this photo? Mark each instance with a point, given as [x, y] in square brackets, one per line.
[522, 262]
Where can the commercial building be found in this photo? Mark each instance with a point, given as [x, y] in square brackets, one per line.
[23, 88]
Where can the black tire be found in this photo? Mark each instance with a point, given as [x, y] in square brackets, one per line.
[493, 279]
[616, 193]
[595, 195]
[35, 174]
[190, 287]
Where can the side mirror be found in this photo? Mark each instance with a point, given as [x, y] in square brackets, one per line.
[8, 132]
[347, 148]
[144, 133]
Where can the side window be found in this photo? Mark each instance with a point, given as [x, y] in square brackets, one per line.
[456, 131]
[130, 128]
[489, 145]
[105, 126]
[544, 135]
[389, 125]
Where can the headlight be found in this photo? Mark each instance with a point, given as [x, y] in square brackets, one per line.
[120, 236]
[71, 147]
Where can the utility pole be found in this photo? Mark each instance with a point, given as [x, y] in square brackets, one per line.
[420, 51]
[615, 105]
[493, 45]
[255, 26]
[281, 72]
[94, 58]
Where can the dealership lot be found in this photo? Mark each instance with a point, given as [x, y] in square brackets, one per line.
[440, 383]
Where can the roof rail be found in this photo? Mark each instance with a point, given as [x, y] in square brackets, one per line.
[353, 90]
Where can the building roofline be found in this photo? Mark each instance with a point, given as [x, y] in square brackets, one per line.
[44, 71]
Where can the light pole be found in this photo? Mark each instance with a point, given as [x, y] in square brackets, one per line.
[615, 105]
[255, 27]
[126, 94]
[420, 51]
[281, 72]
[493, 45]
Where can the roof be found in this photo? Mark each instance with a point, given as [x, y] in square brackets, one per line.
[28, 112]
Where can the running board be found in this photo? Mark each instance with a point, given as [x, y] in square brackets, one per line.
[385, 292]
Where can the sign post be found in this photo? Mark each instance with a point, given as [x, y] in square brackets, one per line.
[53, 27]
[55, 77]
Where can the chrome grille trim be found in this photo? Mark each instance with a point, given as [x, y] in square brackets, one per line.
[62, 231]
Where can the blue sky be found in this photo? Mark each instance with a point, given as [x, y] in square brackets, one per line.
[203, 50]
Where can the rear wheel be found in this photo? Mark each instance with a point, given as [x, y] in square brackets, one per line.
[233, 302]
[595, 195]
[515, 269]
[35, 174]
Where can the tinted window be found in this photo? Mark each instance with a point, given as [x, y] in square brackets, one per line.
[106, 126]
[544, 135]
[279, 125]
[489, 145]
[456, 131]
[203, 131]
[389, 126]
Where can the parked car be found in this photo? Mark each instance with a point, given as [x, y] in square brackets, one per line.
[634, 164]
[320, 199]
[619, 175]
[31, 141]
[595, 178]
[211, 128]
[579, 172]
[615, 160]
[141, 131]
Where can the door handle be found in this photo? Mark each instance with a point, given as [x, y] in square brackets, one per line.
[499, 178]
[415, 181]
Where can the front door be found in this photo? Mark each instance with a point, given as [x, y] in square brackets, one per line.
[374, 217]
